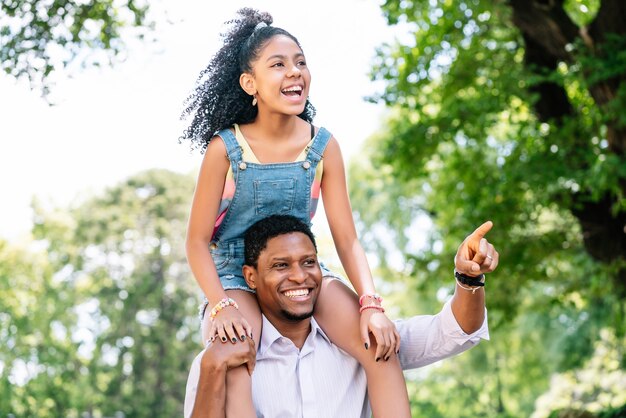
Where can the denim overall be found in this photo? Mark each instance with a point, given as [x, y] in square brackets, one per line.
[261, 190]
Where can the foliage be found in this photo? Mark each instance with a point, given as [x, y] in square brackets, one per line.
[108, 314]
[479, 127]
[40, 37]
[37, 346]
[582, 389]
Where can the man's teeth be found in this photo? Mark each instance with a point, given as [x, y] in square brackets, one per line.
[295, 293]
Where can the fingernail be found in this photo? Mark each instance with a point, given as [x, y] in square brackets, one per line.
[242, 337]
[223, 339]
[377, 358]
[398, 352]
[387, 358]
[234, 340]
[367, 346]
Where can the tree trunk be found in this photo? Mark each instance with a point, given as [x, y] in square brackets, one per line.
[547, 30]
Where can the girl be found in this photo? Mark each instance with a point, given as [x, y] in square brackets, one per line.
[252, 119]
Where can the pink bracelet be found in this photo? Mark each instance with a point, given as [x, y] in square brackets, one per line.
[377, 307]
[376, 297]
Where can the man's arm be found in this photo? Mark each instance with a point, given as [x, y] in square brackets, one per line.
[210, 367]
[462, 322]
[474, 257]
[210, 400]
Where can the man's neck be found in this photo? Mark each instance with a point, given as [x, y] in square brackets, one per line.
[296, 331]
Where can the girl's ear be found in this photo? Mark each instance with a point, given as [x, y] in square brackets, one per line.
[249, 273]
[247, 83]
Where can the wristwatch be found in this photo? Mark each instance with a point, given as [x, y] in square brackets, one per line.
[469, 280]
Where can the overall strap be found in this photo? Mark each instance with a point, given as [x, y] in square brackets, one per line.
[233, 149]
[319, 145]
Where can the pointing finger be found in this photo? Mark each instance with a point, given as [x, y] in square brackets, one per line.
[479, 233]
[482, 230]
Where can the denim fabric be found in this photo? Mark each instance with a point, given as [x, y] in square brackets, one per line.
[261, 190]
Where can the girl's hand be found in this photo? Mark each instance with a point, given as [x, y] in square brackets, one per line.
[384, 331]
[230, 325]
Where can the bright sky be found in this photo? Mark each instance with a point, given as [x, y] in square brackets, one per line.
[111, 123]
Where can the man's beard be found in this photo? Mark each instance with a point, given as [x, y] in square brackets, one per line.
[290, 316]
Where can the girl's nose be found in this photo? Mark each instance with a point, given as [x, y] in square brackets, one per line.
[294, 71]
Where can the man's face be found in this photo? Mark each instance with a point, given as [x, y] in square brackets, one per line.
[287, 278]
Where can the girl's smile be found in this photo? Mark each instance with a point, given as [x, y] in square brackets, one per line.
[281, 76]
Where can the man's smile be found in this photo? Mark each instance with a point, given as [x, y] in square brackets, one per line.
[297, 294]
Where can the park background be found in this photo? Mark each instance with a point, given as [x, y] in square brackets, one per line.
[449, 113]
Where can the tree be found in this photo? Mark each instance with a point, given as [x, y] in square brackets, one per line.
[117, 294]
[554, 77]
[38, 38]
[38, 355]
[511, 111]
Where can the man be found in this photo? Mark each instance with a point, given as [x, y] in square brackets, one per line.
[299, 372]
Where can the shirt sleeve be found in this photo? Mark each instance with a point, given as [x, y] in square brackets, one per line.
[426, 339]
[192, 385]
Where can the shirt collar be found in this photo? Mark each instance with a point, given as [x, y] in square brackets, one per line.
[269, 335]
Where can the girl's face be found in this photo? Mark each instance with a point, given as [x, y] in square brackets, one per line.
[281, 77]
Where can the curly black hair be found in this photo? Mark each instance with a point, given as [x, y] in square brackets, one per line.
[218, 100]
[257, 236]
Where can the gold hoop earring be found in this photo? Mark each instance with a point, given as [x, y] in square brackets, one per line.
[254, 100]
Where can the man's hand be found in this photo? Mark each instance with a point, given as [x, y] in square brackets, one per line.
[219, 356]
[475, 254]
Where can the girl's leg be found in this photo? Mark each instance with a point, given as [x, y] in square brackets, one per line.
[337, 312]
[238, 381]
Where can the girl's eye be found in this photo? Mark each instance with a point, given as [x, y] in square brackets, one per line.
[278, 64]
[302, 63]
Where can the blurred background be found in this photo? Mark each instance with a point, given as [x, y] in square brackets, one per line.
[448, 113]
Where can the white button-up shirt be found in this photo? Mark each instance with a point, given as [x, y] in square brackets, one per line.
[321, 380]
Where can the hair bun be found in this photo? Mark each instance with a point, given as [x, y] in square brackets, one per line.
[266, 17]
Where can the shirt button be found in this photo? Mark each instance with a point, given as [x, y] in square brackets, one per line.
[243, 165]
[306, 165]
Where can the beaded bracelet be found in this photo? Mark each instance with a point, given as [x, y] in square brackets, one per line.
[221, 305]
[376, 297]
[377, 307]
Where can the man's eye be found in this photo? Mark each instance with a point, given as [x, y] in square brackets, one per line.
[309, 262]
[279, 265]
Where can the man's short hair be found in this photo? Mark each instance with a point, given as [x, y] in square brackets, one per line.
[257, 236]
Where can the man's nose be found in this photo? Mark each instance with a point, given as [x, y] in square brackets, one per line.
[297, 275]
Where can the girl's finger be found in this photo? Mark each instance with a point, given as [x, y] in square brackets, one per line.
[391, 338]
[221, 334]
[382, 346]
[365, 335]
[231, 332]
[212, 332]
[397, 347]
[240, 330]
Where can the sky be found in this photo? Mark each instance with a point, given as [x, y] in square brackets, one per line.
[108, 124]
